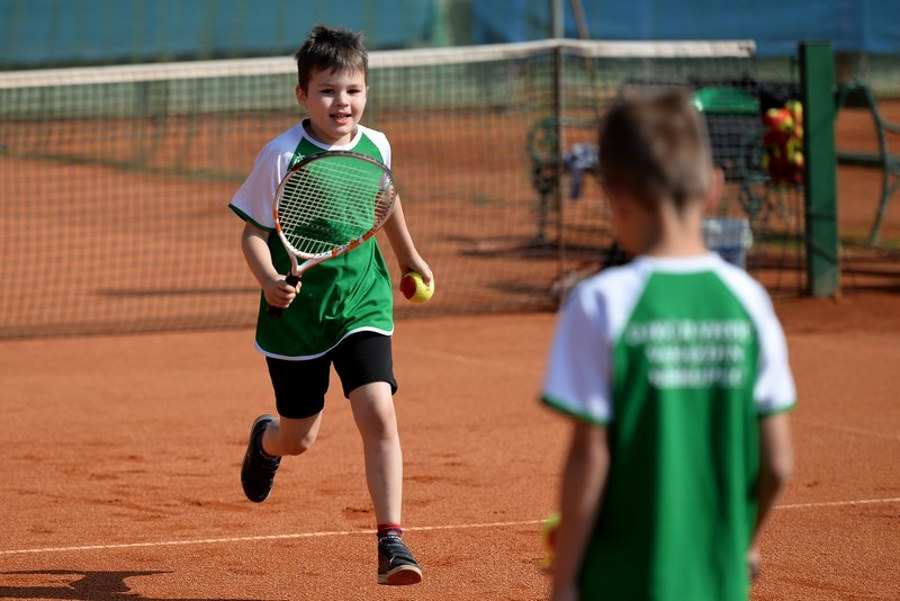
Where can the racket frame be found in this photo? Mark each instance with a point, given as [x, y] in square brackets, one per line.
[309, 259]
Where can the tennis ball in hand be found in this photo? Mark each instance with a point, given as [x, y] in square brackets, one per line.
[548, 539]
[414, 289]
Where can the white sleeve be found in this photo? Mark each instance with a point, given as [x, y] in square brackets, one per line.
[386, 152]
[774, 390]
[577, 381]
[254, 200]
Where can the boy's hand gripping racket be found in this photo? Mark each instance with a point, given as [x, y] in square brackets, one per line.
[328, 204]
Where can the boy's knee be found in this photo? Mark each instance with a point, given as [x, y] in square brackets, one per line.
[379, 423]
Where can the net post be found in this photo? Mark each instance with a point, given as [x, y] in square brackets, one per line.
[818, 82]
[559, 200]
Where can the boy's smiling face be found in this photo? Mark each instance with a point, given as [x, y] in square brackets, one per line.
[335, 103]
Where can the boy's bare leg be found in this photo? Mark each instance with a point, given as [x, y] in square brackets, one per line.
[289, 436]
[373, 411]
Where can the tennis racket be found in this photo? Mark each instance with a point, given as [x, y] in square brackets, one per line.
[327, 205]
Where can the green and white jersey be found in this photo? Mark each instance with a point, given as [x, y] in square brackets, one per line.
[350, 293]
[678, 358]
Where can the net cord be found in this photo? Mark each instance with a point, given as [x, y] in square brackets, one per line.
[379, 59]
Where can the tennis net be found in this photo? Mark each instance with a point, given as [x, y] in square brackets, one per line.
[115, 180]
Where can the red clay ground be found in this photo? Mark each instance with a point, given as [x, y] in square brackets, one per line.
[121, 460]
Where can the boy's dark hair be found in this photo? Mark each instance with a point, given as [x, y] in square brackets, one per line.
[655, 147]
[331, 49]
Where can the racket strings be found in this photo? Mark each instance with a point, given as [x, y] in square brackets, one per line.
[329, 204]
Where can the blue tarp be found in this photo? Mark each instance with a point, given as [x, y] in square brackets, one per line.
[34, 32]
[41, 32]
[851, 25]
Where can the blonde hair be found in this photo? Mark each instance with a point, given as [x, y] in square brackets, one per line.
[655, 147]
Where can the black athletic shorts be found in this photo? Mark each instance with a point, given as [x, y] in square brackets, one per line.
[360, 358]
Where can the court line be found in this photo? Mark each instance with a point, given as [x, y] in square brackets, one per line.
[302, 535]
[847, 430]
[839, 503]
[236, 539]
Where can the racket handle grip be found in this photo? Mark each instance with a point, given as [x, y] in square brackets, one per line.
[275, 312]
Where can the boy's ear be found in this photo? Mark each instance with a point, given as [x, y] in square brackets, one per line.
[715, 189]
[613, 199]
[301, 95]
[607, 193]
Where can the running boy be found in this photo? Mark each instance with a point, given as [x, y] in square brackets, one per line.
[342, 313]
[675, 371]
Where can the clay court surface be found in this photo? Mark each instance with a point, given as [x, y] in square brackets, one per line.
[121, 458]
[121, 454]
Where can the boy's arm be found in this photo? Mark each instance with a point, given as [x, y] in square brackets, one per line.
[254, 243]
[776, 465]
[402, 245]
[584, 479]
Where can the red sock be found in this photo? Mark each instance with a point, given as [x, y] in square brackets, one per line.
[389, 530]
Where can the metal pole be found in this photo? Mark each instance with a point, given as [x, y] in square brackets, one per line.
[557, 19]
[558, 33]
[823, 267]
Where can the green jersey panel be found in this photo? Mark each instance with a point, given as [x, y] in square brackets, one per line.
[343, 295]
[678, 359]
[684, 445]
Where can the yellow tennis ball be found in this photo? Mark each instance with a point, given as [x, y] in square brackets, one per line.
[414, 289]
[548, 539]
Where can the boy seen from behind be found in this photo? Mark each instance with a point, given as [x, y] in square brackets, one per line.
[675, 371]
[342, 314]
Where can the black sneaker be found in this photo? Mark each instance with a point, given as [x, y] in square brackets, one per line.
[396, 564]
[257, 471]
